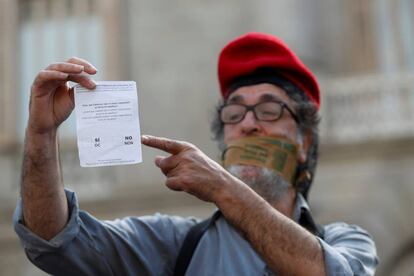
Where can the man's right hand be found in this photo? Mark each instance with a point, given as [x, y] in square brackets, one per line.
[51, 100]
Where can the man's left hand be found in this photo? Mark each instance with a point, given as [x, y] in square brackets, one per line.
[188, 169]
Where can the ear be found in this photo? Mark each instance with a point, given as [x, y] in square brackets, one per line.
[304, 147]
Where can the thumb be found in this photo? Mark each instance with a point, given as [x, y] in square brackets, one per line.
[158, 160]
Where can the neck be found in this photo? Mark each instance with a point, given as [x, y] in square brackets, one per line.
[286, 204]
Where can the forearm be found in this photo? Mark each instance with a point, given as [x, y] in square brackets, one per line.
[286, 247]
[45, 209]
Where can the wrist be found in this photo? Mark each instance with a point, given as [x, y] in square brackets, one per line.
[34, 131]
[40, 139]
[236, 198]
[230, 192]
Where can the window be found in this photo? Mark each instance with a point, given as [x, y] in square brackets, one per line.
[51, 31]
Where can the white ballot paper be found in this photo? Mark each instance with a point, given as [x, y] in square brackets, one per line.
[108, 124]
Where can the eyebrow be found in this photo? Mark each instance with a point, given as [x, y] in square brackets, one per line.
[236, 99]
[269, 97]
[263, 98]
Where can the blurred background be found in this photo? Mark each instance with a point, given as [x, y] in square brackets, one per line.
[361, 50]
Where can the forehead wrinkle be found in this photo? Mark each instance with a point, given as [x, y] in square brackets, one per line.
[263, 98]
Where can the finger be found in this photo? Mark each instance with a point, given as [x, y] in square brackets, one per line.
[83, 80]
[158, 161]
[165, 144]
[167, 164]
[72, 95]
[65, 67]
[46, 76]
[89, 68]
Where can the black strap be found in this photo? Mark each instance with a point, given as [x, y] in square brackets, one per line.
[190, 244]
[306, 221]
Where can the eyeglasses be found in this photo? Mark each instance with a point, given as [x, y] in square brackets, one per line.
[264, 111]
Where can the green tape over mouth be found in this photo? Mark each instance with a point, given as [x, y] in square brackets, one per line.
[275, 153]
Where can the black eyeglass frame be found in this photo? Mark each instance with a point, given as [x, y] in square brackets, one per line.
[252, 108]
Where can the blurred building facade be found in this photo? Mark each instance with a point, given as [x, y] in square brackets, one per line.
[362, 51]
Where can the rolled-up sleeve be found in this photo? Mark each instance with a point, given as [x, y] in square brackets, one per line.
[348, 250]
[88, 246]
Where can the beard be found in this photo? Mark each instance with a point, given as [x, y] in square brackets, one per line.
[265, 182]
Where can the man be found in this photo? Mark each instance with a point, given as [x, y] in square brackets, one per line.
[267, 128]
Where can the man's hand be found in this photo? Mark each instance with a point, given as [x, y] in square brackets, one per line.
[51, 100]
[286, 247]
[189, 169]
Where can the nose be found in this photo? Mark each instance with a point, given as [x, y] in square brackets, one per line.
[249, 124]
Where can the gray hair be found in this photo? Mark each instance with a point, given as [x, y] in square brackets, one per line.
[308, 118]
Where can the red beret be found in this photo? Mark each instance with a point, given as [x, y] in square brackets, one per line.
[250, 52]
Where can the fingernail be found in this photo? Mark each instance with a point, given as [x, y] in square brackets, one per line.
[157, 161]
[144, 138]
[93, 68]
[93, 83]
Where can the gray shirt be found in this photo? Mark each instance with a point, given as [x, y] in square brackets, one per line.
[149, 245]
